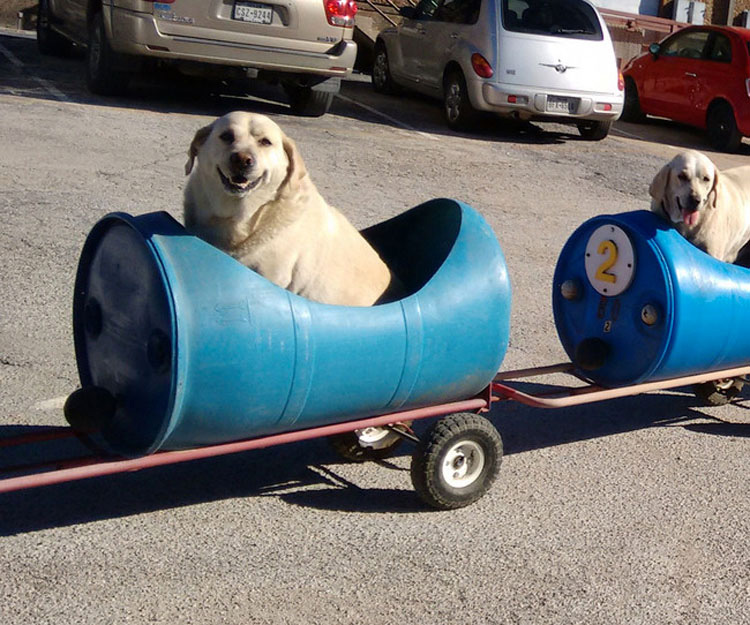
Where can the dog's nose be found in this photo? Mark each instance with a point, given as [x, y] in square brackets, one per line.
[241, 160]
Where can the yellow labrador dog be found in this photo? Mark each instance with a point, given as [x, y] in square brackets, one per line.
[250, 195]
[711, 209]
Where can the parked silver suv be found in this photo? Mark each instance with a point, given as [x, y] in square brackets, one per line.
[306, 44]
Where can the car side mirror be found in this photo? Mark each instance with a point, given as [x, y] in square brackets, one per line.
[407, 12]
[654, 49]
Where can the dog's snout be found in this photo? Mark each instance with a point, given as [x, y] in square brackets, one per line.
[241, 160]
[694, 200]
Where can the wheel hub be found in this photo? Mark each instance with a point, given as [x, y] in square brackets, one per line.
[463, 464]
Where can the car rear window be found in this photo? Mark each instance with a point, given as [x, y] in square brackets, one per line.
[558, 18]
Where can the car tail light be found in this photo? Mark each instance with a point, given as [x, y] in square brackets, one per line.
[481, 66]
[620, 82]
[340, 12]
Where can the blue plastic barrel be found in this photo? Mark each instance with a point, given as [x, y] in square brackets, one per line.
[197, 349]
[634, 302]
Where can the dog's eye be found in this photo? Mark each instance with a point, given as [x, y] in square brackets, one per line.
[706, 178]
[265, 141]
[682, 176]
[227, 136]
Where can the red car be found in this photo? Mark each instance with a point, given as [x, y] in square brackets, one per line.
[699, 76]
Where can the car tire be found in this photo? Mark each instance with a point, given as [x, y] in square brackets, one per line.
[49, 42]
[382, 80]
[103, 74]
[722, 128]
[459, 112]
[594, 130]
[308, 102]
[631, 110]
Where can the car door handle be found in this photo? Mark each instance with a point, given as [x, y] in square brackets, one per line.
[454, 35]
[691, 74]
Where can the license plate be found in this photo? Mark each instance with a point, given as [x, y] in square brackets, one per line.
[559, 104]
[253, 12]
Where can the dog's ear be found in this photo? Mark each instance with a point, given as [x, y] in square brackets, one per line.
[658, 186]
[198, 140]
[296, 169]
[714, 192]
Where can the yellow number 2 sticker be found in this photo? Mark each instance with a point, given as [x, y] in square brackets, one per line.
[609, 260]
[608, 249]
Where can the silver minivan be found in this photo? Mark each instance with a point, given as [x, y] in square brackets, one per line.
[547, 60]
[305, 44]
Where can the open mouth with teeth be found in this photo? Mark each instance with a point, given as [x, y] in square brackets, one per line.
[238, 183]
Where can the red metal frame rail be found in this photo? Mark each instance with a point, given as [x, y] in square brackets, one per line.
[94, 466]
[591, 392]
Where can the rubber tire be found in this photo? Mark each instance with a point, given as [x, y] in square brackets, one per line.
[308, 102]
[716, 393]
[459, 112]
[382, 81]
[631, 110]
[432, 450]
[347, 446]
[103, 76]
[594, 130]
[721, 124]
[48, 41]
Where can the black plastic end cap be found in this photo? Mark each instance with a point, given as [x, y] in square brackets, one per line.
[89, 409]
[591, 354]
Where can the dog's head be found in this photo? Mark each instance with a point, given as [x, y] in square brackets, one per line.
[244, 154]
[685, 187]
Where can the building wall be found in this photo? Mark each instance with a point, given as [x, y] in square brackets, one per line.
[717, 11]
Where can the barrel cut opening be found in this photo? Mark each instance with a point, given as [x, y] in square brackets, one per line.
[416, 243]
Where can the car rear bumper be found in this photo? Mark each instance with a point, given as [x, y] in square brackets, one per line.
[531, 103]
[138, 34]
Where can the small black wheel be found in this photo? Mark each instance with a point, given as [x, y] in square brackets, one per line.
[103, 76]
[719, 392]
[373, 443]
[459, 112]
[631, 110]
[722, 128]
[308, 102]
[49, 41]
[457, 461]
[382, 81]
[593, 130]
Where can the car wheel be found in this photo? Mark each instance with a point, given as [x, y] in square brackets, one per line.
[308, 102]
[722, 128]
[103, 76]
[594, 130]
[631, 110]
[459, 113]
[49, 41]
[382, 81]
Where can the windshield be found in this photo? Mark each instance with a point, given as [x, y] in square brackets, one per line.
[559, 18]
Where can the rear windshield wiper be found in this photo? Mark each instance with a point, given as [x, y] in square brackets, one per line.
[571, 31]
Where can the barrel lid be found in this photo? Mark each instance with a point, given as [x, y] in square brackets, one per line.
[125, 329]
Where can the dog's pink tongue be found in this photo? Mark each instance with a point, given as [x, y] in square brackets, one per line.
[690, 217]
